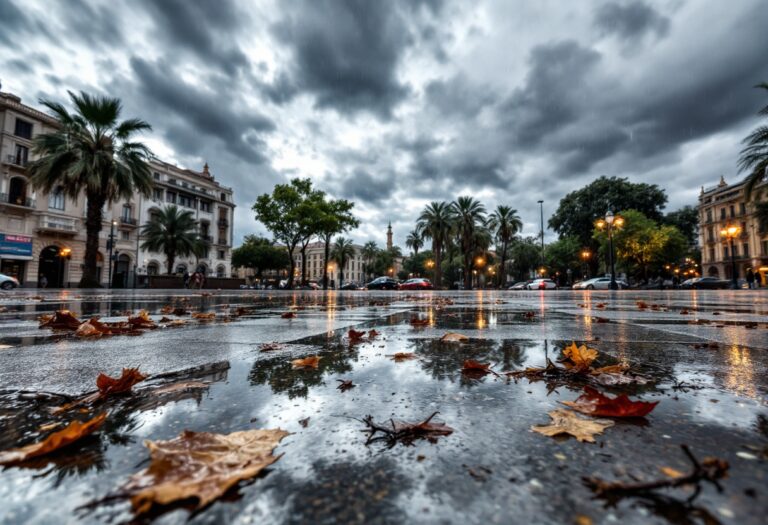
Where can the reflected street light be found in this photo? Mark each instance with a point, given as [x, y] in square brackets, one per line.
[585, 255]
[609, 222]
[730, 233]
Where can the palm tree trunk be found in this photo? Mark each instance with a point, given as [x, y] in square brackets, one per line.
[503, 268]
[325, 261]
[467, 268]
[93, 220]
[170, 260]
[436, 248]
[341, 274]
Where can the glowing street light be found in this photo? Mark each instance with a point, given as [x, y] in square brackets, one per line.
[609, 222]
[731, 232]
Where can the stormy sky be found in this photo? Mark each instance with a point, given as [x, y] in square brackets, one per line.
[396, 103]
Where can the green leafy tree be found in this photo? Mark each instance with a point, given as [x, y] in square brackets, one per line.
[172, 231]
[563, 255]
[414, 241]
[754, 156]
[96, 153]
[686, 219]
[335, 218]
[417, 264]
[436, 223]
[260, 254]
[312, 215]
[468, 216]
[284, 211]
[370, 251]
[343, 250]
[504, 224]
[525, 255]
[577, 212]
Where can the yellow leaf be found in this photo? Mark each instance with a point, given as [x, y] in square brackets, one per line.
[201, 466]
[567, 422]
[671, 473]
[580, 356]
[610, 369]
[307, 362]
[451, 337]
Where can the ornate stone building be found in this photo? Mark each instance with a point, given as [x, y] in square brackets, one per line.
[44, 235]
[722, 206]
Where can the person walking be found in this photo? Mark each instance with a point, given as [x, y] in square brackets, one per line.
[750, 278]
[186, 279]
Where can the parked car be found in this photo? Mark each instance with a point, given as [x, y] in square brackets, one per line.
[417, 283]
[7, 282]
[600, 283]
[351, 286]
[542, 284]
[382, 283]
[519, 285]
[706, 283]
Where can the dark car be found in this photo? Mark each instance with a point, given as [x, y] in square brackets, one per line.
[350, 286]
[383, 283]
[417, 283]
[706, 283]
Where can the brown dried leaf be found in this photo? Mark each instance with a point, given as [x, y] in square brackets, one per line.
[142, 320]
[452, 337]
[201, 466]
[60, 320]
[307, 362]
[110, 385]
[66, 436]
[567, 422]
[402, 356]
[288, 315]
[580, 356]
[415, 321]
[345, 384]
[200, 316]
[88, 329]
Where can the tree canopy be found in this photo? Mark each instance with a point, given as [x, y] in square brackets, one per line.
[260, 254]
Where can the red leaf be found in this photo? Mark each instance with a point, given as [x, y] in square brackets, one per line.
[355, 335]
[594, 403]
[473, 366]
[415, 321]
[372, 334]
[110, 385]
[288, 315]
[61, 320]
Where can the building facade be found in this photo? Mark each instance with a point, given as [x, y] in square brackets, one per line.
[43, 235]
[354, 270]
[722, 206]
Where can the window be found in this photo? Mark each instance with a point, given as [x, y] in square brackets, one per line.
[733, 213]
[725, 252]
[205, 206]
[171, 181]
[711, 255]
[221, 254]
[765, 247]
[56, 199]
[23, 129]
[22, 155]
[735, 250]
[745, 249]
[722, 213]
[709, 215]
[742, 208]
[186, 201]
[158, 194]
[127, 211]
[170, 197]
[224, 197]
[125, 235]
[156, 175]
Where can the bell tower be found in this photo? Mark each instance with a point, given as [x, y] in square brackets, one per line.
[389, 236]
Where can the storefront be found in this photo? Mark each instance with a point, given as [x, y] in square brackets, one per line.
[15, 251]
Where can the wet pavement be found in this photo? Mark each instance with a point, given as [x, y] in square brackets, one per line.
[705, 353]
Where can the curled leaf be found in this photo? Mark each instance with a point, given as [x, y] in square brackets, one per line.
[452, 337]
[474, 366]
[200, 466]
[142, 320]
[594, 403]
[580, 357]
[71, 433]
[345, 384]
[88, 329]
[60, 320]
[567, 422]
[307, 362]
[110, 385]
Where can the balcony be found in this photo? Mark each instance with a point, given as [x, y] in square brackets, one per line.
[54, 224]
[16, 160]
[17, 200]
[130, 222]
[223, 223]
[223, 242]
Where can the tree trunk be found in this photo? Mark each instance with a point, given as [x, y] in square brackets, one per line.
[341, 274]
[325, 261]
[292, 268]
[438, 284]
[170, 260]
[503, 268]
[93, 220]
[467, 268]
[304, 264]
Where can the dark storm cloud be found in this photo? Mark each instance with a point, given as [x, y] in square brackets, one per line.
[361, 185]
[15, 21]
[19, 66]
[222, 118]
[458, 96]
[346, 53]
[630, 20]
[93, 25]
[205, 29]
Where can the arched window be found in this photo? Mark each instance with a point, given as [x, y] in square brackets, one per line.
[153, 268]
[221, 271]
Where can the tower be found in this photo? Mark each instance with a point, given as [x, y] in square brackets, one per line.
[389, 236]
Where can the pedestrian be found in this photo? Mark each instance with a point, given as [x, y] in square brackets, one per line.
[43, 281]
[186, 279]
[750, 278]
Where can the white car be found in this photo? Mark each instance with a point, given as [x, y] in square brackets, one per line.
[542, 284]
[7, 282]
[599, 283]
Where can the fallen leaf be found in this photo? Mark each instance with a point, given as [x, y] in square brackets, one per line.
[610, 369]
[307, 362]
[66, 436]
[372, 334]
[288, 315]
[581, 519]
[684, 312]
[209, 316]
[567, 422]
[402, 356]
[304, 422]
[110, 385]
[594, 403]
[167, 309]
[60, 320]
[529, 315]
[671, 473]
[355, 335]
[641, 304]
[201, 466]
[474, 366]
[142, 320]
[415, 321]
[394, 431]
[452, 337]
[345, 384]
[269, 347]
[600, 305]
[87, 329]
[580, 356]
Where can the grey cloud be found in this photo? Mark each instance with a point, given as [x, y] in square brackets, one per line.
[458, 96]
[19, 65]
[94, 25]
[346, 53]
[225, 118]
[361, 185]
[630, 20]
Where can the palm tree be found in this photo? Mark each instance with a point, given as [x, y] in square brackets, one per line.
[435, 223]
[342, 252]
[469, 216]
[504, 223]
[173, 232]
[754, 156]
[370, 251]
[92, 151]
[414, 242]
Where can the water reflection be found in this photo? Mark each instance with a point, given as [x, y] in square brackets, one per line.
[739, 374]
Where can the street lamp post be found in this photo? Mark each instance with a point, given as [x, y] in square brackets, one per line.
[541, 210]
[730, 233]
[585, 255]
[111, 246]
[609, 222]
